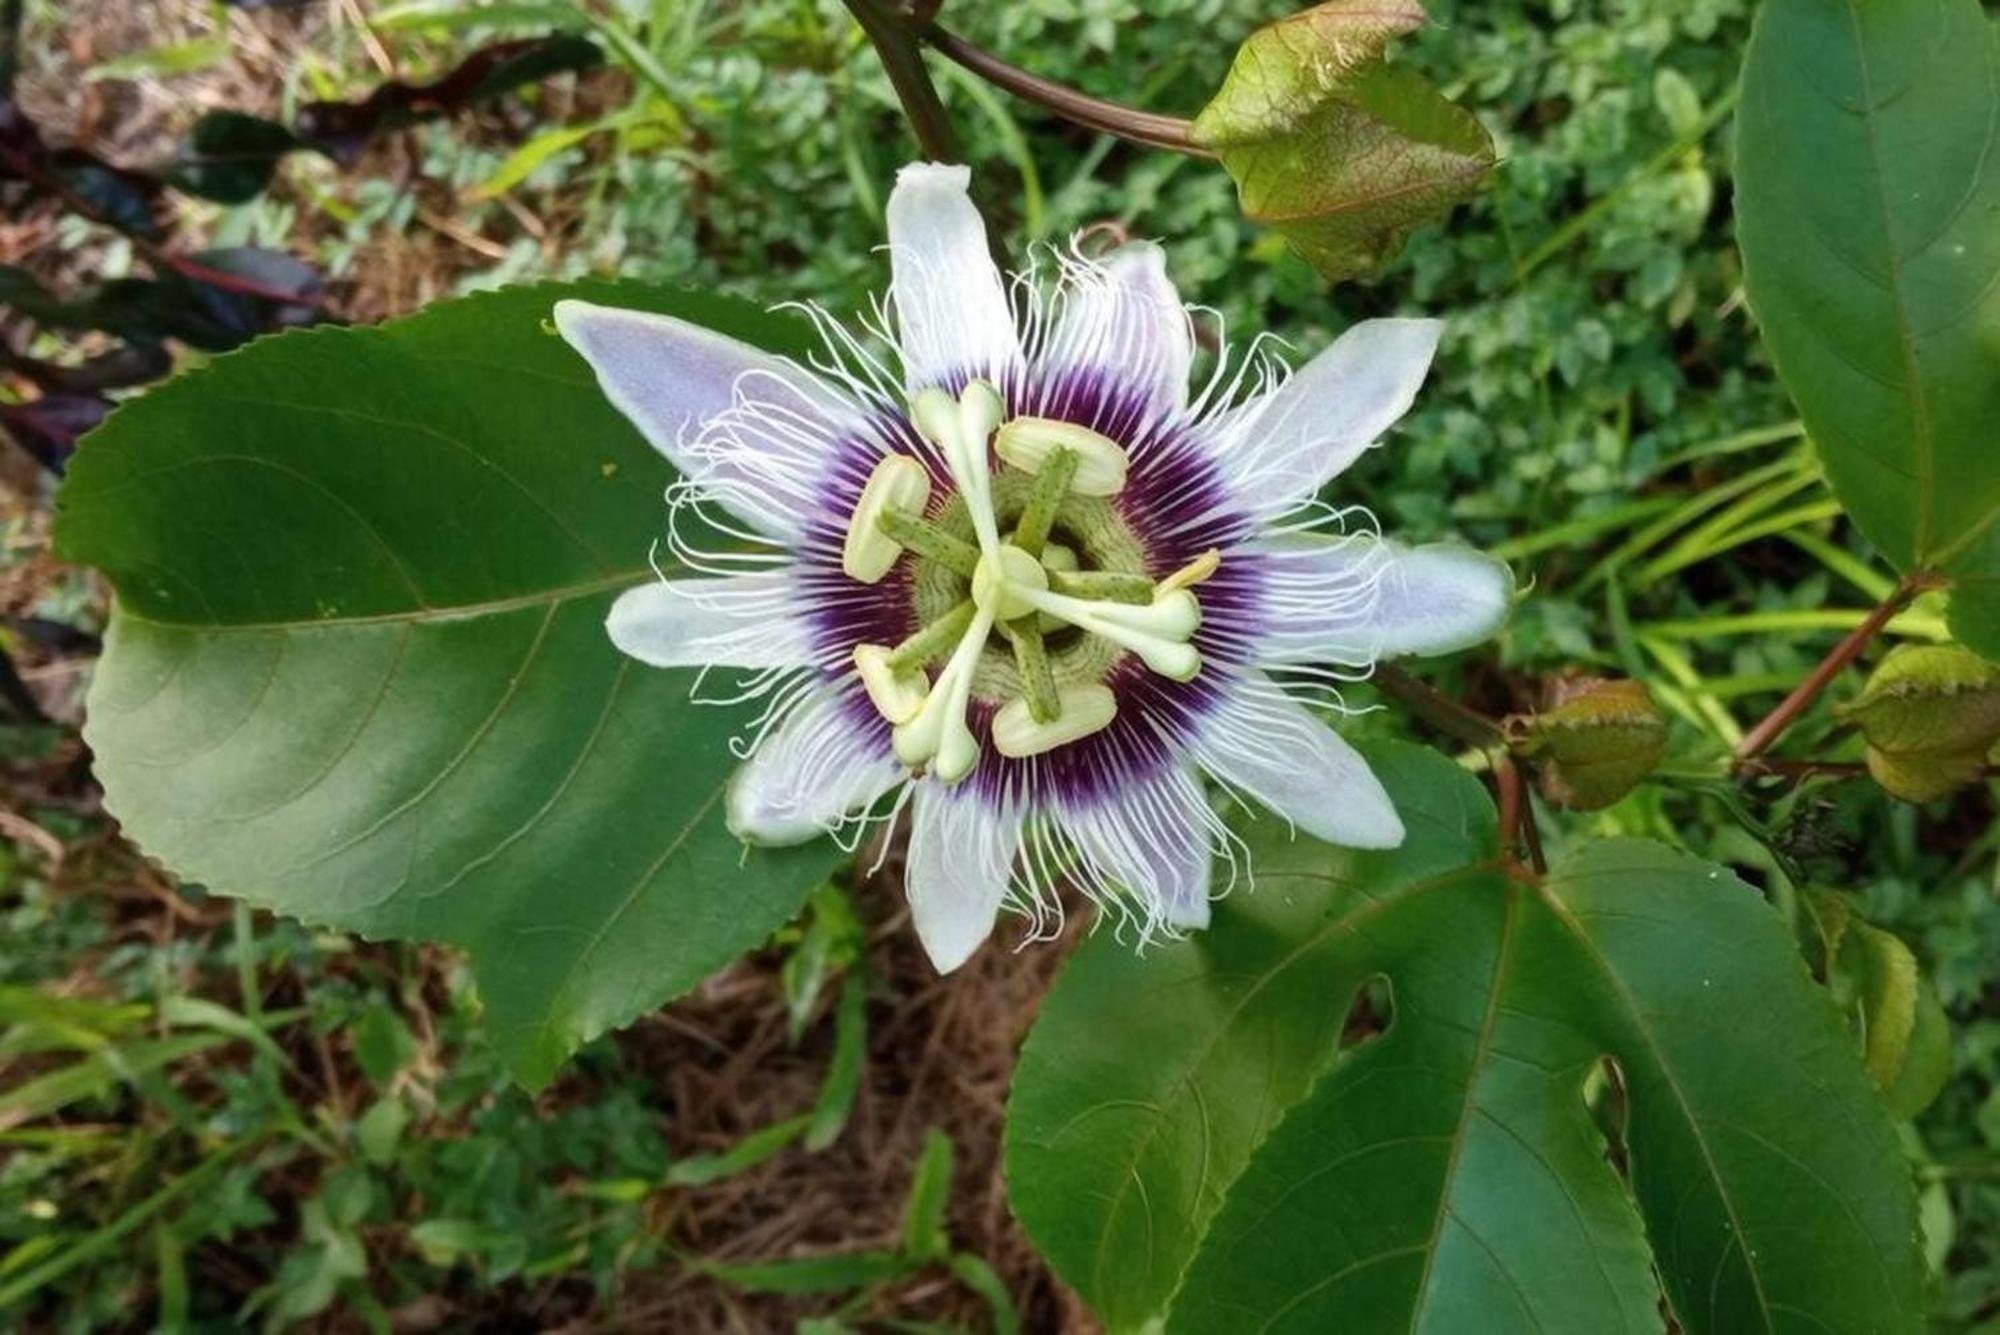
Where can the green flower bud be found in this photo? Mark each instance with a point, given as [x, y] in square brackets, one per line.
[1338, 149]
[1594, 743]
[1931, 715]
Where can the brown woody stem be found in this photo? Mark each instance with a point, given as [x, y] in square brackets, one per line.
[896, 46]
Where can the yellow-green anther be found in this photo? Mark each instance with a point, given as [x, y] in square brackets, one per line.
[1082, 711]
[1028, 442]
[1157, 632]
[1174, 614]
[933, 641]
[927, 539]
[960, 429]
[934, 413]
[899, 484]
[1194, 572]
[980, 410]
[1039, 515]
[1038, 679]
[1108, 586]
[938, 736]
[896, 694]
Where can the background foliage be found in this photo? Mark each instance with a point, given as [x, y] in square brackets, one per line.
[1601, 414]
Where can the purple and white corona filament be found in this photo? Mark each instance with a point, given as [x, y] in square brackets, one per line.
[1025, 584]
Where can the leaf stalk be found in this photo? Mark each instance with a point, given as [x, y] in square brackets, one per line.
[1095, 113]
[1772, 726]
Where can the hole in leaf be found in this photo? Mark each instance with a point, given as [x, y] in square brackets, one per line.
[1609, 1100]
[1369, 1015]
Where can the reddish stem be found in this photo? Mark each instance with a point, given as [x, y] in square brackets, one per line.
[1531, 833]
[1140, 127]
[1513, 804]
[1773, 725]
[201, 273]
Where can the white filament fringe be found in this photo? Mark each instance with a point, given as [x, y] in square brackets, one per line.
[812, 764]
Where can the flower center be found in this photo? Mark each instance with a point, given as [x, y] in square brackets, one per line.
[1064, 590]
[1006, 583]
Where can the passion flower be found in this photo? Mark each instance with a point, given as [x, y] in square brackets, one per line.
[1023, 583]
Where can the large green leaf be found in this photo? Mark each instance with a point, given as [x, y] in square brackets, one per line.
[1868, 198]
[1224, 1160]
[357, 669]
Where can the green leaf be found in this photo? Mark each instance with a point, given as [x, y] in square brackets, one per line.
[1905, 1039]
[1339, 151]
[808, 1274]
[1119, 1154]
[526, 160]
[230, 156]
[357, 670]
[456, 16]
[978, 1275]
[166, 61]
[843, 1074]
[442, 1241]
[383, 1044]
[1227, 1165]
[1868, 200]
[380, 1130]
[96, 1075]
[701, 1169]
[924, 1235]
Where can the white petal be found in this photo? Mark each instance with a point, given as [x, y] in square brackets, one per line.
[1279, 449]
[1357, 599]
[815, 770]
[1153, 841]
[951, 305]
[1270, 747]
[961, 856]
[1122, 315]
[743, 621]
[729, 417]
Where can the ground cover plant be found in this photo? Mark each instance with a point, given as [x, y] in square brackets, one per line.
[1652, 989]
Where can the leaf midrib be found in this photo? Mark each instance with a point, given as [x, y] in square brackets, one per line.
[1482, 1049]
[1637, 1015]
[449, 612]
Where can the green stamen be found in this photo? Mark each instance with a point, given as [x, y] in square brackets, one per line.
[1038, 680]
[933, 641]
[1108, 586]
[1051, 485]
[927, 539]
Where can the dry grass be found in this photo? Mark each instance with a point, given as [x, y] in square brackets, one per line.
[940, 1054]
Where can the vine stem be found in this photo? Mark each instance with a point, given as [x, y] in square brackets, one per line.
[1531, 834]
[1772, 726]
[1517, 820]
[1436, 708]
[1517, 811]
[902, 59]
[1112, 118]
